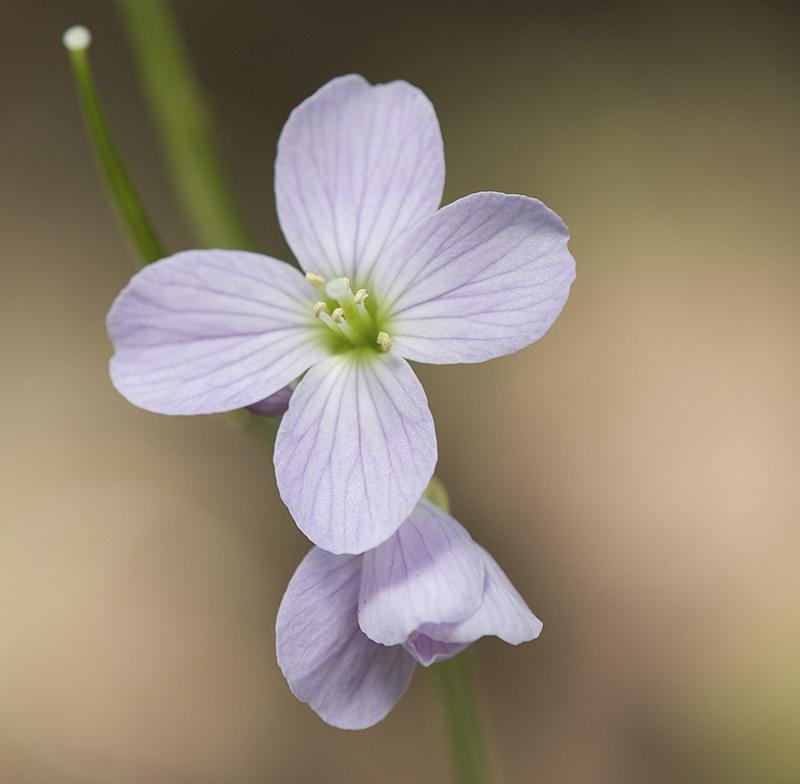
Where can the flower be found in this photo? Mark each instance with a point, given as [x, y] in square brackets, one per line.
[351, 628]
[389, 277]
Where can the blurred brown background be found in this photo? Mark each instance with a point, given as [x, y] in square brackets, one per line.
[635, 472]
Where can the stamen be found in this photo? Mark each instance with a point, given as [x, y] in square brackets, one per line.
[320, 310]
[347, 330]
[315, 280]
[361, 308]
[384, 340]
[325, 318]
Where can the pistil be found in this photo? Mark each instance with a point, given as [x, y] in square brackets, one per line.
[352, 305]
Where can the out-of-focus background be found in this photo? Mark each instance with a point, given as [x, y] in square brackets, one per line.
[635, 472]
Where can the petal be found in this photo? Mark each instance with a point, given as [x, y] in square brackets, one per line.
[211, 330]
[355, 450]
[275, 405]
[357, 165]
[430, 571]
[350, 681]
[483, 277]
[502, 614]
[428, 651]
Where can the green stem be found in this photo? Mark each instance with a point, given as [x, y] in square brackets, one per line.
[437, 494]
[460, 705]
[177, 105]
[131, 211]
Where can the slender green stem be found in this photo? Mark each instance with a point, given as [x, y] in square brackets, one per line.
[460, 705]
[131, 211]
[182, 122]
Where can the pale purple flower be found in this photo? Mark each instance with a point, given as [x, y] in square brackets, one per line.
[351, 628]
[390, 277]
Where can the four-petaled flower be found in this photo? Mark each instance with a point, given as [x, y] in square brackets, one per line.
[351, 627]
[390, 277]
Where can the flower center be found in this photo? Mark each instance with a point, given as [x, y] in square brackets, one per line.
[347, 315]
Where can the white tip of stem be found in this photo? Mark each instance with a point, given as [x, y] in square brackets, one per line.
[77, 38]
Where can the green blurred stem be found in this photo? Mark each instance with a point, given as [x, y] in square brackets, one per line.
[437, 493]
[182, 122]
[455, 685]
[123, 194]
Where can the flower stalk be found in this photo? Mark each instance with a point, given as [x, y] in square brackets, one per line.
[454, 683]
[182, 121]
[133, 215]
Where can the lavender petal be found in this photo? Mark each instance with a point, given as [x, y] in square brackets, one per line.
[483, 277]
[355, 450]
[208, 330]
[350, 681]
[275, 405]
[427, 651]
[357, 165]
[429, 572]
[503, 613]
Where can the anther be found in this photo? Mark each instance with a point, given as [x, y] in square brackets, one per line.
[337, 317]
[315, 280]
[384, 341]
[319, 308]
[360, 296]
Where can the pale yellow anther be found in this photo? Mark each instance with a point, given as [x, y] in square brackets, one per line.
[319, 308]
[338, 315]
[384, 341]
[315, 280]
[360, 296]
